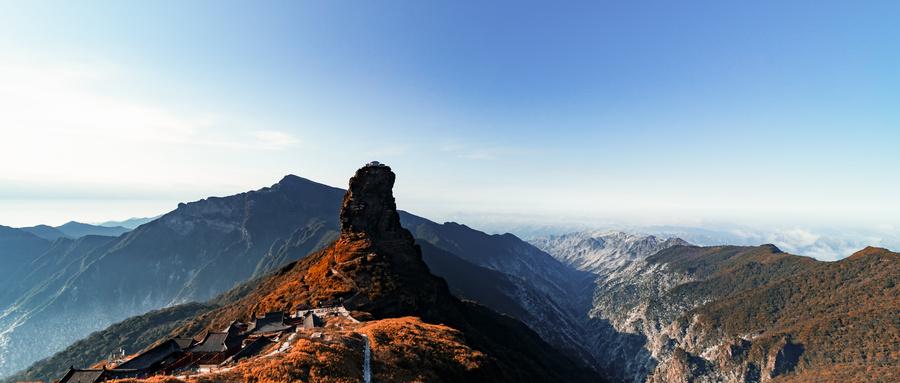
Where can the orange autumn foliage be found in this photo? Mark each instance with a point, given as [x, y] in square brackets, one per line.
[403, 349]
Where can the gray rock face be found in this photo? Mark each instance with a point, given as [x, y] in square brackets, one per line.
[644, 307]
[596, 251]
[622, 284]
[369, 206]
[641, 326]
[783, 358]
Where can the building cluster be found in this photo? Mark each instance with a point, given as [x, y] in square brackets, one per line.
[238, 341]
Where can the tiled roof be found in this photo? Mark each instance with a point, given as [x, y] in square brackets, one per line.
[152, 356]
[214, 342]
[253, 348]
[183, 343]
[75, 375]
[81, 376]
[271, 322]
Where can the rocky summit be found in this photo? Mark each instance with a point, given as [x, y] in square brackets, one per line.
[369, 209]
[375, 265]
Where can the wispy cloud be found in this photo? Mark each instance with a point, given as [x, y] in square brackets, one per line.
[63, 116]
[809, 242]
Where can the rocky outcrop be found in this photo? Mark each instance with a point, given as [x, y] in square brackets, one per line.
[369, 209]
[680, 367]
[378, 257]
[782, 358]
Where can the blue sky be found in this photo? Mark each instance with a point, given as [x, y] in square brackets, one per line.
[644, 112]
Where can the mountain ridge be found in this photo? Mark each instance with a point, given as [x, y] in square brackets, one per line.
[693, 309]
[505, 292]
[74, 230]
[195, 252]
[595, 251]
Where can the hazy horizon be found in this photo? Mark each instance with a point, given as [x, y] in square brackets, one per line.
[821, 240]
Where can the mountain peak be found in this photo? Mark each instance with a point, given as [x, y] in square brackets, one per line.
[870, 251]
[771, 248]
[369, 209]
[290, 178]
[293, 180]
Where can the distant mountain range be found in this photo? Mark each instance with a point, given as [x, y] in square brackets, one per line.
[130, 223]
[825, 241]
[595, 251]
[74, 230]
[635, 308]
[22, 251]
[193, 253]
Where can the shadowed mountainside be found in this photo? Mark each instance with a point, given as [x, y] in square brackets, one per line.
[17, 249]
[193, 253]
